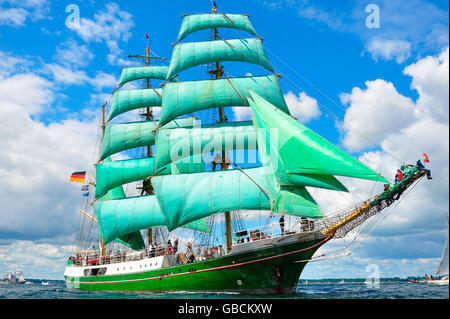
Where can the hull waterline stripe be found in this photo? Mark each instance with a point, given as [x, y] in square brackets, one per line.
[204, 270]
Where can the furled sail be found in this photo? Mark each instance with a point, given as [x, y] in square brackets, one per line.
[182, 98]
[124, 136]
[143, 72]
[195, 22]
[299, 150]
[176, 144]
[188, 197]
[128, 100]
[190, 54]
[120, 217]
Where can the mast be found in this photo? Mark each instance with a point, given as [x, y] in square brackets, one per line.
[102, 245]
[146, 185]
[148, 117]
[218, 72]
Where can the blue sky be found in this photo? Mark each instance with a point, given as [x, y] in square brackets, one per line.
[340, 78]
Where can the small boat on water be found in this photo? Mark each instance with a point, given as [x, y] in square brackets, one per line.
[443, 266]
[45, 283]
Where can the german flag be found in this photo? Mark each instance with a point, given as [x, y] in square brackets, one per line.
[78, 177]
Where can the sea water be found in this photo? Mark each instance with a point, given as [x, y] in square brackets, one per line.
[305, 290]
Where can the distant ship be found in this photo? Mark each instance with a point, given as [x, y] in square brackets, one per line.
[13, 278]
[443, 266]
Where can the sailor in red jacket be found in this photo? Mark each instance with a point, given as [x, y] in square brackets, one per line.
[400, 175]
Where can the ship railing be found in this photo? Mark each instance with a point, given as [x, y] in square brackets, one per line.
[118, 257]
[274, 230]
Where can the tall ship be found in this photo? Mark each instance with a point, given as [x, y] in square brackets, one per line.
[13, 278]
[176, 212]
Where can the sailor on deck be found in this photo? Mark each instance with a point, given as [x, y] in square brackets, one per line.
[420, 166]
[282, 224]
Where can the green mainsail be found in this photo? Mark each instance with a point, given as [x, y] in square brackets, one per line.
[124, 136]
[189, 54]
[182, 98]
[179, 143]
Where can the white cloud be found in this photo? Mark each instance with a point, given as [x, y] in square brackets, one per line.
[15, 13]
[241, 113]
[387, 49]
[416, 226]
[10, 64]
[70, 53]
[30, 91]
[37, 160]
[65, 75]
[37, 260]
[303, 107]
[109, 26]
[430, 78]
[13, 16]
[374, 113]
[406, 28]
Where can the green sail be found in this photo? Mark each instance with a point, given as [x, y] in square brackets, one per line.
[188, 197]
[299, 150]
[133, 240]
[190, 54]
[128, 100]
[195, 22]
[124, 136]
[143, 72]
[175, 144]
[188, 165]
[190, 96]
[120, 217]
[112, 174]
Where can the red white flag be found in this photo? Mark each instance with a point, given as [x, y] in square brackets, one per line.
[146, 35]
[425, 158]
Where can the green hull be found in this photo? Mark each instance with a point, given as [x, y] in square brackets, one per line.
[275, 269]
